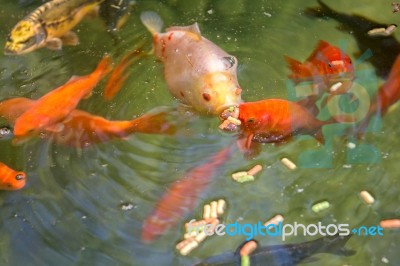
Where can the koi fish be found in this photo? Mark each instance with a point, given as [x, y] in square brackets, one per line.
[81, 129]
[275, 121]
[197, 72]
[384, 48]
[326, 66]
[56, 105]
[181, 197]
[11, 179]
[284, 255]
[49, 25]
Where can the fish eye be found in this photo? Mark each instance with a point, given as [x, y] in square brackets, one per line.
[330, 64]
[230, 61]
[250, 120]
[206, 97]
[350, 61]
[19, 177]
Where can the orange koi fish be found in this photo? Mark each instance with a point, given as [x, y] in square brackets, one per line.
[277, 120]
[182, 195]
[197, 72]
[11, 179]
[57, 104]
[81, 129]
[327, 65]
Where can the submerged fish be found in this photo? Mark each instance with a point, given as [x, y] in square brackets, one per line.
[115, 13]
[181, 196]
[284, 255]
[198, 72]
[384, 48]
[325, 66]
[49, 25]
[81, 129]
[11, 179]
[56, 105]
[275, 121]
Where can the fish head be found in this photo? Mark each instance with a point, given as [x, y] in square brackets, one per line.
[252, 116]
[335, 62]
[25, 37]
[218, 91]
[16, 181]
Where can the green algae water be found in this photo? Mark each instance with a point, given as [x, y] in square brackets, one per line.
[87, 206]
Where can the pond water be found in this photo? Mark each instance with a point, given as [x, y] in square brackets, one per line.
[70, 212]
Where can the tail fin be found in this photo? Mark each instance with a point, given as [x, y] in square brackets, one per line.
[152, 21]
[104, 66]
[298, 69]
[320, 12]
[153, 124]
[118, 76]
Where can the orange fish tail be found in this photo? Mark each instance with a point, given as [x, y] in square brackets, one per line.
[153, 124]
[298, 69]
[104, 67]
[118, 76]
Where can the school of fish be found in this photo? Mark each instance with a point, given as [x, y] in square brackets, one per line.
[197, 72]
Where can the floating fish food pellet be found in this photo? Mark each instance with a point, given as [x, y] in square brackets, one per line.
[221, 207]
[367, 197]
[188, 248]
[234, 121]
[274, 220]
[238, 175]
[206, 211]
[336, 86]
[213, 212]
[255, 170]
[288, 163]
[246, 178]
[390, 223]
[248, 248]
[320, 206]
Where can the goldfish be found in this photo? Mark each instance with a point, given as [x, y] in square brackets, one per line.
[284, 255]
[57, 104]
[326, 66]
[197, 72]
[182, 195]
[11, 179]
[384, 48]
[49, 26]
[275, 121]
[81, 129]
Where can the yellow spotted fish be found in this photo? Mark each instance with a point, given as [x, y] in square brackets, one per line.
[49, 26]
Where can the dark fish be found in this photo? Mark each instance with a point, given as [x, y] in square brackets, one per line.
[115, 13]
[284, 255]
[384, 48]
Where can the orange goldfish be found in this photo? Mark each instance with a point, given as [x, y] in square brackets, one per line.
[182, 195]
[11, 179]
[197, 72]
[80, 129]
[326, 66]
[57, 104]
[276, 120]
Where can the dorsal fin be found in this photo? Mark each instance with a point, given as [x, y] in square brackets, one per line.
[320, 46]
[194, 28]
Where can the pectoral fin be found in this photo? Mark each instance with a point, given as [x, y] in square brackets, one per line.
[54, 44]
[70, 38]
